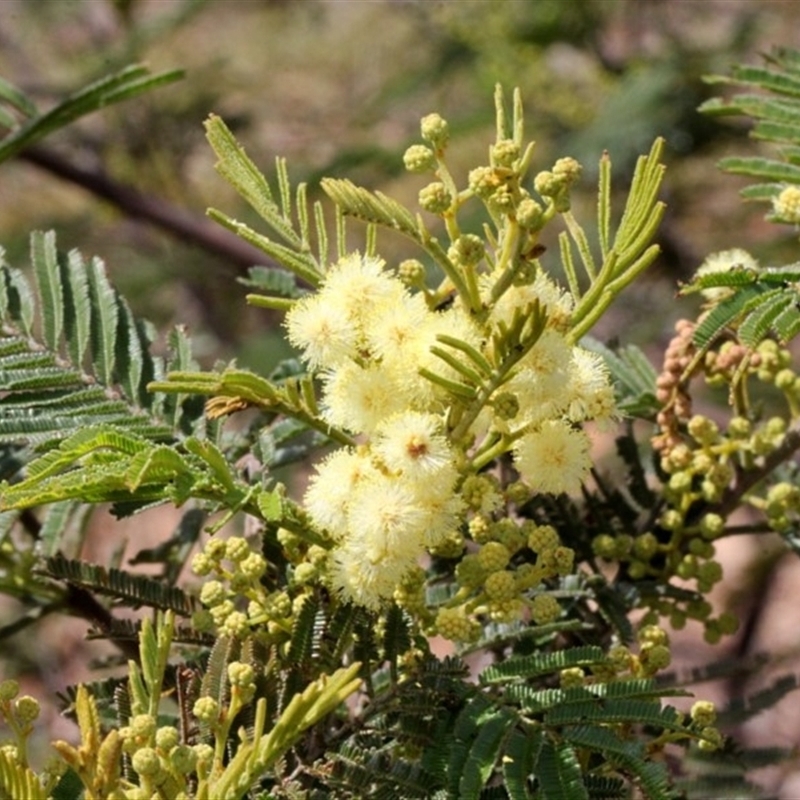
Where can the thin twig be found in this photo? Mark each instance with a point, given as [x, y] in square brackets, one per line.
[184, 225]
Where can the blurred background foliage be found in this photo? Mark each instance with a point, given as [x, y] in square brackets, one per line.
[338, 88]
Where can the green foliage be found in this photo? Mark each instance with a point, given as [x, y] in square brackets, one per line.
[23, 125]
[777, 119]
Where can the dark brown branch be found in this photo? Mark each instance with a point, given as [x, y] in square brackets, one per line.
[185, 225]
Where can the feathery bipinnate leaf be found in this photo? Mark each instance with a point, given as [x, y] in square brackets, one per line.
[103, 464]
[759, 302]
[776, 112]
[123, 85]
[126, 588]
[86, 362]
[239, 170]
[625, 255]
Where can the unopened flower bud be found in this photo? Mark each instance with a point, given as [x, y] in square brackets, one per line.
[419, 158]
[434, 129]
[435, 198]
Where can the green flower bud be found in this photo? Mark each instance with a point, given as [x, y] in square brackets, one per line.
[604, 546]
[505, 153]
[506, 611]
[241, 674]
[183, 759]
[623, 544]
[419, 158]
[545, 609]
[236, 549]
[680, 482]
[712, 739]
[146, 762]
[527, 576]
[547, 184]
[469, 572]
[701, 548]
[710, 572]
[213, 594]
[712, 526]
[530, 214]
[728, 623]
[26, 709]
[221, 612]
[253, 566]
[202, 565]
[621, 657]
[652, 635]
[493, 556]
[671, 520]
[411, 273]
[543, 537]
[655, 657]
[500, 586]
[9, 689]
[215, 549]
[502, 200]
[435, 198]
[455, 625]
[698, 609]
[167, 738]
[143, 727]
[703, 713]
[279, 605]
[483, 181]
[563, 559]
[451, 546]
[434, 129]
[637, 570]
[518, 493]
[702, 429]
[206, 709]
[236, 624]
[739, 427]
[645, 546]
[567, 169]
[467, 250]
[304, 573]
[571, 677]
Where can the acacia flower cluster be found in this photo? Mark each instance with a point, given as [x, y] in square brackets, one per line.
[374, 344]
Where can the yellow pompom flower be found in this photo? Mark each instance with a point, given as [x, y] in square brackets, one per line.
[358, 398]
[327, 499]
[323, 332]
[412, 443]
[554, 458]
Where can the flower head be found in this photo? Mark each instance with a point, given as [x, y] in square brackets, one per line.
[412, 443]
[554, 458]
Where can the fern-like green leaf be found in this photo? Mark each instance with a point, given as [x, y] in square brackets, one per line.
[559, 773]
[49, 281]
[630, 755]
[522, 667]
[368, 206]
[125, 84]
[483, 753]
[18, 780]
[104, 321]
[127, 588]
[521, 753]
[77, 307]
